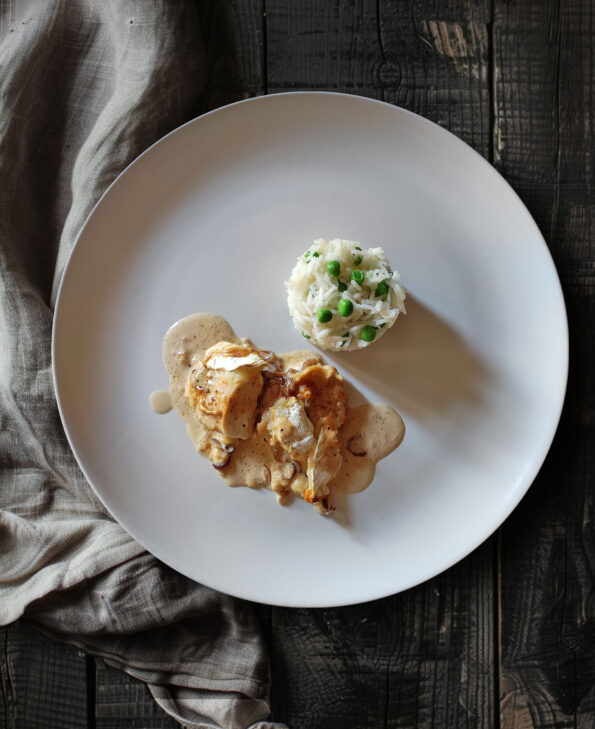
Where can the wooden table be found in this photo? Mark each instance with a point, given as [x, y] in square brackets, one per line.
[506, 638]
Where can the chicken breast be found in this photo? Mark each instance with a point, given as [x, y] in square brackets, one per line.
[297, 413]
[224, 390]
[290, 433]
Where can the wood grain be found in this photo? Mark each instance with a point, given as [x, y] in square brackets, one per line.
[233, 38]
[429, 57]
[419, 659]
[544, 106]
[123, 702]
[424, 658]
[43, 683]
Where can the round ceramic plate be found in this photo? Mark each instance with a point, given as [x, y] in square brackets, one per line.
[212, 218]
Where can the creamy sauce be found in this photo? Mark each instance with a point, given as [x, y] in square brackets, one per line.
[370, 432]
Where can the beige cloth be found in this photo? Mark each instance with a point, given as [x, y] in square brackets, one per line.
[86, 85]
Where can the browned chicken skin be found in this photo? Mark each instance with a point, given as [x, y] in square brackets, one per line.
[321, 389]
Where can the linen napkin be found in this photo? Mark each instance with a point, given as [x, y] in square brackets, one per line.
[85, 86]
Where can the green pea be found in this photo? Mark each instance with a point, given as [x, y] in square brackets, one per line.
[368, 334]
[333, 268]
[342, 286]
[324, 315]
[357, 276]
[345, 307]
[381, 290]
[357, 260]
[305, 335]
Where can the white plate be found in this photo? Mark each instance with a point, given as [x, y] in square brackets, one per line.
[212, 218]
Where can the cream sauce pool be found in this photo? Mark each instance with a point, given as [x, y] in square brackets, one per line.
[370, 432]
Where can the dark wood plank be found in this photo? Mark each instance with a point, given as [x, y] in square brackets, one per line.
[44, 683]
[545, 113]
[6, 690]
[424, 658]
[429, 57]
[123, 702]
[419, 659]
[233, 38]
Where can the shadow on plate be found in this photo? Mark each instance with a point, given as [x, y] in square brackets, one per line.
[422, 366]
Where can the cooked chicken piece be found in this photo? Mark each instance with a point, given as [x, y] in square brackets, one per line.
[286, 427]
[321, 389]
[299, 413]
[290, 433]
[224, 390]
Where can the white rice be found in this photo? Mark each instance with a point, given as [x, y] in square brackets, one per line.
[311, 288]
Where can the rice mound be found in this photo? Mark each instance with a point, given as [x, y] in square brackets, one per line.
[377, 300]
